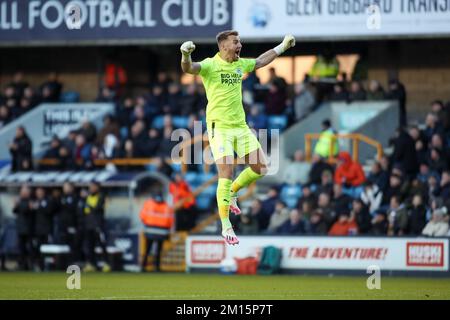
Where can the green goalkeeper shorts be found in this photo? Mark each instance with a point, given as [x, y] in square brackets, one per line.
[224, 142]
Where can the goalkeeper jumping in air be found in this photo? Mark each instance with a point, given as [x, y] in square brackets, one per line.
[227, 129]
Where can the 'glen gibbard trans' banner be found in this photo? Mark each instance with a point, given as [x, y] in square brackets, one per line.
[93, 20]
[325, 19]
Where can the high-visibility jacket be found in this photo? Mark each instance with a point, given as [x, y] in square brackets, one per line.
[323, 145]
[182, 191]
[325, 69]
[157, 214]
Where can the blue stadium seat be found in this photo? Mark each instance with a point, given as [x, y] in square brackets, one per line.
[70, 97]
[158, 122]
[8, 239]
[203, 201]
[290, 195]
[124, 132]
[277, 122]
[176, 167]
[180, 122]
[192, 178]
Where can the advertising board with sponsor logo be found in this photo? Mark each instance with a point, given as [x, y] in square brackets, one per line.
[326, 253]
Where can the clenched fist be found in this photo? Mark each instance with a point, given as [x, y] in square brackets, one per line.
[187, 48]
[288, 42]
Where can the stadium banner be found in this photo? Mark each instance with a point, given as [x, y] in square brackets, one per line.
[349, 19]
[104, 21]
[326, 253]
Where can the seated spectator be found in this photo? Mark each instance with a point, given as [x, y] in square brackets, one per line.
[163, 167]
[82, 153]
[5, 116]
[425, 173]
[66, 159]
[295, 225]
[304, 101]
[307, 209]
[438, 226]
[376, 91]
[445, 185]
[105, 95]
[174, 98]
[348, 172]
[250, 82]
[141, 112]
[139, 139]
[362, 217]
[378, 176]
[278, 217]
[110, 126]
[53, 151]
[442, 112]
[24, 107]
[398, 217]
[432, 126]
[417, 216]
[89, 131]
[433, 186]
[437, 142]
[256, 215]
[256, 120]
[189, 101]
[357, 92]
[275, 100]
[324, 204]
[436, 161]
[307, 196]
[18, 84]
[297, 171]
[157, 100]
[268, 207]
[339, 93]
[372, 196]
[394, 188]
[326, 183]
[32, 97]
[319, 165]
[380, 224]
[21, 151]
[152, 143]
[341, 201]
[344, 226]
[167, 145]
[125, 112]
[53, 86]
[318, 225]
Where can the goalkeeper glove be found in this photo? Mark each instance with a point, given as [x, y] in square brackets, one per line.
[187, 48]
[288, 42]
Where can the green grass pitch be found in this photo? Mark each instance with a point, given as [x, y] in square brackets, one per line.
[168, 286]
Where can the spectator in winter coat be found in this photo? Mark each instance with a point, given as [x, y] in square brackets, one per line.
[445, 186]
[278, 217]
[295, 224]
[348, 172]
[21, 150]
[372, 196]
[437, 227]
[404, 153]
[398, 217]
[344, 226]
[362, 217]
[379, 176]
[417, 216]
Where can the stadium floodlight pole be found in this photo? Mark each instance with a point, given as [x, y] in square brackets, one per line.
[225, 117]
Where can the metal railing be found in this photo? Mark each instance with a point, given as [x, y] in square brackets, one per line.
[356, 138]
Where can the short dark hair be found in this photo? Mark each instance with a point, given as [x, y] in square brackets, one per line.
[223, 35]
[326, 123]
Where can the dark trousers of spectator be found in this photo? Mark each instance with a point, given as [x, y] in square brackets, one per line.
[185, 219]
[25, 251]
[92, 238]
[150, 239]
[73, 240]
[38, 258]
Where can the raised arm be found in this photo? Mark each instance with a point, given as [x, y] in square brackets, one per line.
[186, 61]
[268, 56]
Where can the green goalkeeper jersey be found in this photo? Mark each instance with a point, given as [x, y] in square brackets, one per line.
[223, 85]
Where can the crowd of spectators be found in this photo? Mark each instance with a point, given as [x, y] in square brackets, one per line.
[405, 193]
[19, 97]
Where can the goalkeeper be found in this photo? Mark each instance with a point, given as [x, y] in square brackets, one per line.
[227, 129]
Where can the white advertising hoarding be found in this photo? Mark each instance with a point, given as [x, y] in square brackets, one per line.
[321, 19]
[326, 253]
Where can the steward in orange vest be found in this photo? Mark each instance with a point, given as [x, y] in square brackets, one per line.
[158, 218]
